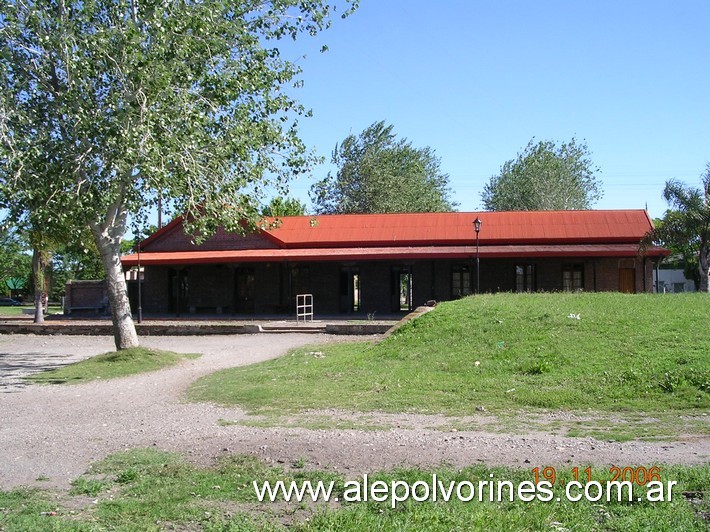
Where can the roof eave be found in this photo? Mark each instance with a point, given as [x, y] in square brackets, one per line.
[388, 253]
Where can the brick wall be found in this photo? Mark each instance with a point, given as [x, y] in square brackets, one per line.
[269, 280]
[375, 278]
[324, 281]
[607, 274]
[423, 280]
[155, 289]
[88, 294]
[211, 288]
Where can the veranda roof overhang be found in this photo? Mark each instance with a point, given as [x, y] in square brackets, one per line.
[168, 258]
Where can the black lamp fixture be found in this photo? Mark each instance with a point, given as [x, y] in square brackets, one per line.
[477, 227]
[140, 295]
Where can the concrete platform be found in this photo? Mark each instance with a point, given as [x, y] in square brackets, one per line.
[162, 326]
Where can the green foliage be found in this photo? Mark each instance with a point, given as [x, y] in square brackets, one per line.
[75, 260]
[64, 261]
[121, 105]
[504, 352]
[280, 206]
[107, 106]
[15, 262]
[110, 365]
[545, 177]
[377, 173]
[685, 228]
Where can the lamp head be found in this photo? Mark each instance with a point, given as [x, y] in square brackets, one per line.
[477, 224]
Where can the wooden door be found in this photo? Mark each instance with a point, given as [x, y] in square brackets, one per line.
[627, 280]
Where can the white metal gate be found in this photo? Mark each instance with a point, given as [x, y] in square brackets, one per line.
[304, 307]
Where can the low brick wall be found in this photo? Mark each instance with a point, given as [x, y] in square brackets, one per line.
[194, 330]
[148, 329]
[50, 329]
[357, 328]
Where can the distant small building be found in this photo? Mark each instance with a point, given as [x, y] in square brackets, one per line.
[672, 282]
[390, 263]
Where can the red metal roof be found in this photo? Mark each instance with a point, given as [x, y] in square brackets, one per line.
[385, 253]
[529, 227]
[421, 236]
[451, 228]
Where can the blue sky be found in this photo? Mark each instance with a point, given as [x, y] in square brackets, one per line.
[477, 80]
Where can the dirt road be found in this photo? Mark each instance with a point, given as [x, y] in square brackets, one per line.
[55, 432]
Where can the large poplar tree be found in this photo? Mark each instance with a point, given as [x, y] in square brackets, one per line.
[545, 177]
[107, 106]
[379, 173]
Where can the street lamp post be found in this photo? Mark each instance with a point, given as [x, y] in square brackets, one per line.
[477, 227]
[140, 302]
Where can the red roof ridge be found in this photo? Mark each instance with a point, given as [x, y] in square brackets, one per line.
[394, 214]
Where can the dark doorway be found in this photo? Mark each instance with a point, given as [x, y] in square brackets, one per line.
[402, 290]
[460, 281]
[178, 291]
[299, 283]
[350, 290]
[244, 291]
[132, 290]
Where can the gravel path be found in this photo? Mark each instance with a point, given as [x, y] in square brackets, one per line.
[55, 432]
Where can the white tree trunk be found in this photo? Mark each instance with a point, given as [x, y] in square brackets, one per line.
[108, 241]
[124, 331]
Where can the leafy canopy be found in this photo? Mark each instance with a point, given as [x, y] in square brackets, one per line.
[280, 206]
[107, 105]
[15, 261]
[378, 173]
[685, 227]
[545, 177]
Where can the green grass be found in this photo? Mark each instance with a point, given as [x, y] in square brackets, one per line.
[313, 422]
[506, 353]
[154, 490]
[17, 311]
[11, 311]
[110, 365]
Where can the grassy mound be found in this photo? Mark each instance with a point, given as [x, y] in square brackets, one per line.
[110, 365]
[599, 351]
